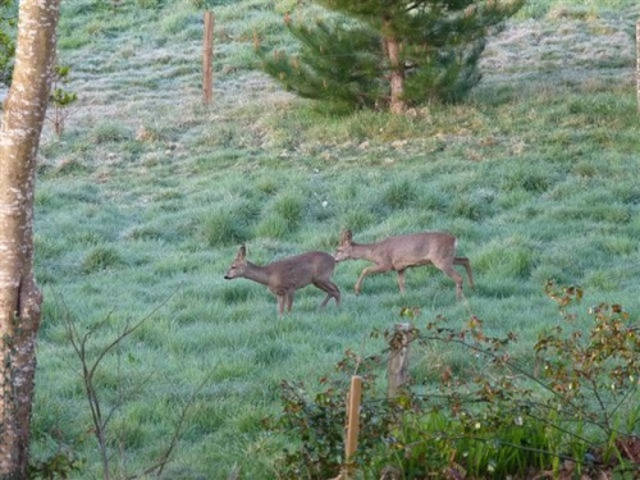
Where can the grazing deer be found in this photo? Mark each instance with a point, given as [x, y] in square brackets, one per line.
[286, 276]
[404, 251]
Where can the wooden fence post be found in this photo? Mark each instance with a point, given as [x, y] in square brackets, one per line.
[207, 58]
[353, 425]
[398, 366]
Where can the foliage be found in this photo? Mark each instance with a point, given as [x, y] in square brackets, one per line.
[339, 62]
[493, 419]
[342, 60]
[100, 258]
[602, 364]
[62, 464]
[317, 425]
[106, 132]
[60, 99]
[8, 17]
[208, 4]
[225, 227]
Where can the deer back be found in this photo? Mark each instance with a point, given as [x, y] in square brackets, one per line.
[418, 248]
[300, 270]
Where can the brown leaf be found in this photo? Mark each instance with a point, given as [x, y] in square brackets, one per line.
[455, 472]
[390, 473]
[446, 375]
[630, 447]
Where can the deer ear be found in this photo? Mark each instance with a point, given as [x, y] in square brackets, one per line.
[242, 252]
[345, 237]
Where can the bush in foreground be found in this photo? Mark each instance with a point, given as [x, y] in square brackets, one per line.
[574, 414]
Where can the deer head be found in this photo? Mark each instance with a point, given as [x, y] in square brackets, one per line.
[239, 264]
[344, 248]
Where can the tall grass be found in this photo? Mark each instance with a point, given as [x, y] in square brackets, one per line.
[536, 175]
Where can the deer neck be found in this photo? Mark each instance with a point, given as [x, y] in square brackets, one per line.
[256, 273]
[364, 251]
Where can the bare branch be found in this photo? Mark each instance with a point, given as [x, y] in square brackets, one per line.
[100, 422]
[126, 332]
[177, 432]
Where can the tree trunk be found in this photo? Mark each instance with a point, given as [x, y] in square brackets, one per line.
[20, 298]
[396, 78]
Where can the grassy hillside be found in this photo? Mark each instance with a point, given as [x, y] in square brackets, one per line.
[148, 194]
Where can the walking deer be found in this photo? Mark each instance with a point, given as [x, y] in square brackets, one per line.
[286, 276]
[403, 251]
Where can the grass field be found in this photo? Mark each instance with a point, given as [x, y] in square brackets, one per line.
[147, 195]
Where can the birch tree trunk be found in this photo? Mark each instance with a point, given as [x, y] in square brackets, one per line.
[20, 297]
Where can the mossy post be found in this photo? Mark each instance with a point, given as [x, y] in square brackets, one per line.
[398, 366]
[207, 58]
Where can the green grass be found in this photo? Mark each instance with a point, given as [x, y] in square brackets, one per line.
[535, 174]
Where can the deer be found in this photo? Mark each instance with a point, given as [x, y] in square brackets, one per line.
[403, 251]
[286, 276]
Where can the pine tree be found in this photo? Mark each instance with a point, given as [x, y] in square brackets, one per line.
[389, 53]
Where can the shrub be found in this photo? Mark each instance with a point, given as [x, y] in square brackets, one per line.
[399, 194]
[235, 294]
[465, 208]
[356, 219]
[221, 228]
[272, 226]
[231, 225]
[527, 179]
[510, 257]
[289, 207]
[101, 258]
[283, 218]
[573, 415]
[106, 132]
[178, 22]
[149, 4]
[70, 166]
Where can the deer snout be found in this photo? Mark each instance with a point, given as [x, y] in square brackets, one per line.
[227, 277]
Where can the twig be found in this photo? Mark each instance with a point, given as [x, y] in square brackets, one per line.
[177, 432]
[89, 369]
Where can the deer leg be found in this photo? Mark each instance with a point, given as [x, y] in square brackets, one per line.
[280, 304]
[401, 280]
[289, 299]
[322, 286]
[467, 266]
[369, 271]
[330, 288]
[447, 269]
[325, 301]
[336, 292]
[333, 290]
